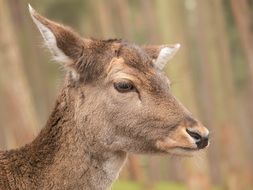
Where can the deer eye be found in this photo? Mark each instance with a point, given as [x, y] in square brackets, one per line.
[123, 86]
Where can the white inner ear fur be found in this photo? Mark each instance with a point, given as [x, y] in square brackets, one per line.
[165, 55]
[50, 39]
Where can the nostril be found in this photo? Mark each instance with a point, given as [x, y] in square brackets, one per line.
[197, 137]
[202, 143]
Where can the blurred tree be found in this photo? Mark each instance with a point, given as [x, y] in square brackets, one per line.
[244, 23]
[14, 87]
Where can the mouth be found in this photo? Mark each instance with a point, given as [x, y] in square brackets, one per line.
[183, 151]
[179, 150]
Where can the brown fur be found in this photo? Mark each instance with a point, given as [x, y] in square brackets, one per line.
[92, 126]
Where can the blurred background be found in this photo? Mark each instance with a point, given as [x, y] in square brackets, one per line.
[212, 75]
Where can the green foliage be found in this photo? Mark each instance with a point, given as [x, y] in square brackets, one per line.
[127, 185]
[171, 186]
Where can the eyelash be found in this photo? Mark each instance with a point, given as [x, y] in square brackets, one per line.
[124, 87]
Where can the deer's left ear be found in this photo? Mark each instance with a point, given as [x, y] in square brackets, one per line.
[65, 45]
[162, 54]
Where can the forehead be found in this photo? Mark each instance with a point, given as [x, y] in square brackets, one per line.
[133, 54]
[135, 57]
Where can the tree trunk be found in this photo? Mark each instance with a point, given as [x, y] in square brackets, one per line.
[15, 88]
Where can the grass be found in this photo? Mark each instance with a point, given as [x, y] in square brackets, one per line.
[127, 185]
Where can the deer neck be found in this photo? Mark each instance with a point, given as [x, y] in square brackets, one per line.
[66, 159]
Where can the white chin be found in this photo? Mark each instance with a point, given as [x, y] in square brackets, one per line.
[182, 152]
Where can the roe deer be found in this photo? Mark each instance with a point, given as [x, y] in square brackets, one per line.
[115, 100]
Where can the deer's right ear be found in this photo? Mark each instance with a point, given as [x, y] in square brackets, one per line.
[65, 45]
[162, 54]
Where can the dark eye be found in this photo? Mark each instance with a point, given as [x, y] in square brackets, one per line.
[123, 86]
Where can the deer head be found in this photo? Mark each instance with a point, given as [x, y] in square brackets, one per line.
[120, 90]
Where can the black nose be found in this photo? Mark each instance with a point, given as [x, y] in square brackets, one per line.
[201, 142]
